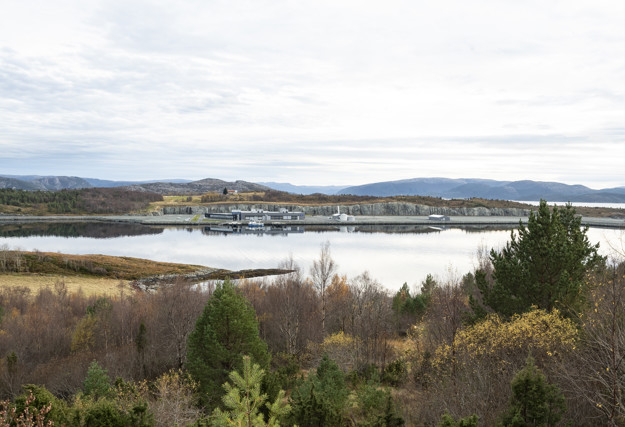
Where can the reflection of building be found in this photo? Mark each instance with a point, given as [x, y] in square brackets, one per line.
[258, 215]
[267, 230]
[439, 218]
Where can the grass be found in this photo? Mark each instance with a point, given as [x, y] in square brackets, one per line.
[103, 274]
[94, 274]
[88, 285]
[101, 266]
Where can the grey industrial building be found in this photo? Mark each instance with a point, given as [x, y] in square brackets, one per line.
[258, 215]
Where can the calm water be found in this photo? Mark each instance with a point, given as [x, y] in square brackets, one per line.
[586, 204]
[391, 255]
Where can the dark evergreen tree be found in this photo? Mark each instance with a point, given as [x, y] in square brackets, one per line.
[545, 266]
[535, 402]
[320, 400]
[225, 332]
[97, 384]
[376, 407]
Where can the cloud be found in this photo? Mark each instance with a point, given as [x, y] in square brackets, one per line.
[322, 92]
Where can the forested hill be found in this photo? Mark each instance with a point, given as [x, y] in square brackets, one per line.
[163, 187]
[76, 202]
[208, 185]
[447, 188]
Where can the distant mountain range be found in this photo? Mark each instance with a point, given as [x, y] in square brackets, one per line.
[198, 187]
[52, 183]
[489, 189]
[165, 187]
[434, 187]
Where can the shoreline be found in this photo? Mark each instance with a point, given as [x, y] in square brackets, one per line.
[193, 221]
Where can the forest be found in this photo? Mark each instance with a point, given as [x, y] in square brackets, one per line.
[535, 335]
[77, 202]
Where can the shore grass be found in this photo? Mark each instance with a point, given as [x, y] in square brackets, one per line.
[104, 274]
[100, 266]
[87, 285]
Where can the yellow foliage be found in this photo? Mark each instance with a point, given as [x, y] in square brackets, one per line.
[537, 332]
[339, 289]
[342, 348]
[83, 337]
[339, 339]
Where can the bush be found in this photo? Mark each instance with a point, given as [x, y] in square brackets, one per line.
[39, 402]
[395, 373]
[376, 407]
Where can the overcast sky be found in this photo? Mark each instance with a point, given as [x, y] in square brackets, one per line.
[314, 92]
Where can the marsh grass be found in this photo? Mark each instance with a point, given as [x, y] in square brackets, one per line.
[88, 285]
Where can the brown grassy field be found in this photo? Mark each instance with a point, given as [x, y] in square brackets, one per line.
[101, 273]
[88, 285]
[94, 274]
[100, 266]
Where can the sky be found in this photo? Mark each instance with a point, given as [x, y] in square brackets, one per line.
[317, 92]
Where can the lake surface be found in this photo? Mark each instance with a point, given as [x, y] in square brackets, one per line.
[577, 204]
[392, 255]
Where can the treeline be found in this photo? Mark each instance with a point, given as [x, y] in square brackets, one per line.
[83, 201]
[534, 336]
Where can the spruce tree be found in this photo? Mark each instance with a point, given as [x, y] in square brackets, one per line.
[320, 400]
[534, 402]
[544, 267]
[97, 383]
[225, 332]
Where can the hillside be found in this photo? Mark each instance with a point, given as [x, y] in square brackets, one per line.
[208, 185]
[50, 183]
[439, 187]
[53, 183]
[489, 189]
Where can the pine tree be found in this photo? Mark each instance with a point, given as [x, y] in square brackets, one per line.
[244, 400]
[544, 266]
[225, 332]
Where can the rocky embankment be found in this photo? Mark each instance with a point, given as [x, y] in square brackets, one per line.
[372, 209]
[153, 282]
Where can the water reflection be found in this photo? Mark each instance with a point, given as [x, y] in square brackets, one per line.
[265, 230]
[392, 255]
[96, 230]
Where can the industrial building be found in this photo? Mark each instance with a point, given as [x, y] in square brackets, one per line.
[258, 215]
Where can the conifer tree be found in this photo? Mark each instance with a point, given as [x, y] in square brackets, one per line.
[97, 382]
[321, 399]
[544, 266]
[225, 332]
[244, 400]
[535, 402]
